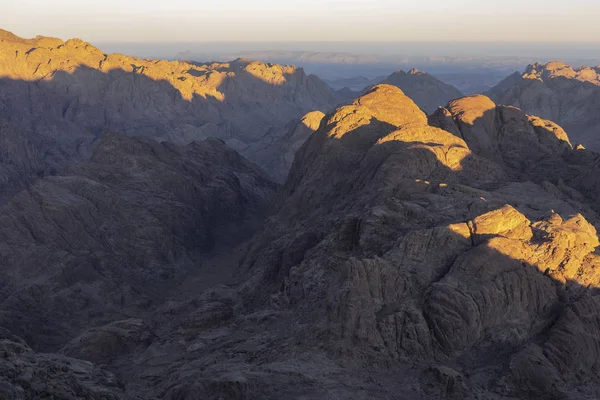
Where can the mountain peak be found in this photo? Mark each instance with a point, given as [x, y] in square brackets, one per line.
[7, 35]
[313, 119]
[471, 108]
[555, 65]
[412, 71]
[388, 103]
[426, 90]
[558, 69]
[38, 41]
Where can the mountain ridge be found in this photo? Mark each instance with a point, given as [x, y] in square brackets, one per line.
[557, 92]
[63, 95]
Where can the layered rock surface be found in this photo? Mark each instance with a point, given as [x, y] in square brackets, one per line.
[60, 97]
[556, 91]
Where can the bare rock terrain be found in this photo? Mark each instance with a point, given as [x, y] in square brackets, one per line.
[278, 147]
[424, 89]
[434, 245]
[407, 256]
[109, 239]
[558, 92]
[59, 97]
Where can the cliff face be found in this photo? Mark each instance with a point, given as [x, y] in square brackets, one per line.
[62, 96]
[556, 91]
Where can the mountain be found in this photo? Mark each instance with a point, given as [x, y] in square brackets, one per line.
[473, 82]
[426, 90]
[286, 56]
[57, 98]
[556, 91]
[452, 255]
[407, 256]
[469, 69]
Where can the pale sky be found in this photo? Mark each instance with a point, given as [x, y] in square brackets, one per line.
[305, 20]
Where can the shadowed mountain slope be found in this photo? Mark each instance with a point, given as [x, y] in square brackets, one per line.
[59, 97]
[407, 257]
[556, 91]
[113, 236]
[282, 144]
[426, 90]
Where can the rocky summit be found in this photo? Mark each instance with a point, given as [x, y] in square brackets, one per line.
[558, 92]
[424, 89]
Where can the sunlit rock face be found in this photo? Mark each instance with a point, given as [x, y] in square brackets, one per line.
[558, 92]
[424, 89]
[455, 245]
[60, 97]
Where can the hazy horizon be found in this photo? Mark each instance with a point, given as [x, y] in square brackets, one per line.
[156, 21]
[373, 38]
[375, 48]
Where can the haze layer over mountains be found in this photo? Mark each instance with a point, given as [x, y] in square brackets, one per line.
[240, 230]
